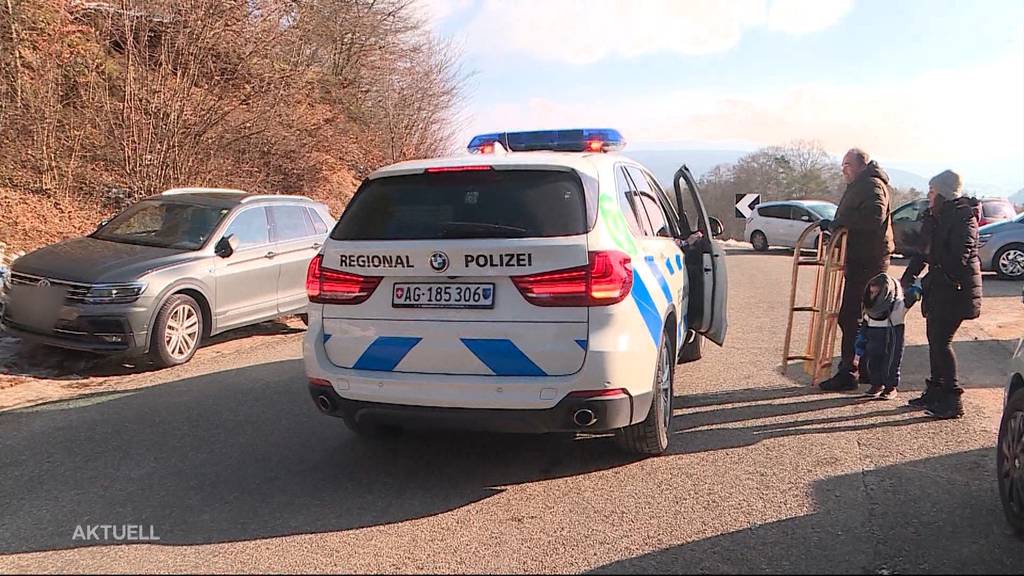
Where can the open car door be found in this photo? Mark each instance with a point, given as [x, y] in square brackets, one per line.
[705, 261]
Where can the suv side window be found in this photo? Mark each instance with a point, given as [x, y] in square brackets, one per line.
[627, 201]
[291, 223]
[667, 208]
[649, 215]
[250, 227]
[319, 226]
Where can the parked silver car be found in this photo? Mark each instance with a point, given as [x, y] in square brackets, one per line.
[1002, 248]
[167, 272]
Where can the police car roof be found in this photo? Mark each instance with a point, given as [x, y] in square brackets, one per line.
[584, 162]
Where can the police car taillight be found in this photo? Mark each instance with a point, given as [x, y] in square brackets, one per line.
[575, 140]
[326, 286]
[606, 280]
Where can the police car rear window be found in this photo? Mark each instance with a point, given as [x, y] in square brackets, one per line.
[471, 204]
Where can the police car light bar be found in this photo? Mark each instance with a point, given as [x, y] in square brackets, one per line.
[577, 140]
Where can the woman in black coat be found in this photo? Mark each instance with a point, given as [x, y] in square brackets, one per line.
[952, 287]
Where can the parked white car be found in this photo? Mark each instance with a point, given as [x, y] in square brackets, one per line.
[781, 223]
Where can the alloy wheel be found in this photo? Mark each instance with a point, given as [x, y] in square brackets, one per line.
[181, 335]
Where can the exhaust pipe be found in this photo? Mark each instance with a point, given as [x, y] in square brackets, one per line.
[324, 404]
[584, 417]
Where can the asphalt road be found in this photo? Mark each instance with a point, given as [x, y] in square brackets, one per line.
[234, 470]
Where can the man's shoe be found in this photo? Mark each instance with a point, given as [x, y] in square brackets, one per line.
[925, 399]
[841, 382]
[888, 394]
[874, 391]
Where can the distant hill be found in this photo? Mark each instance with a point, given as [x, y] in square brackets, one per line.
[664, 163]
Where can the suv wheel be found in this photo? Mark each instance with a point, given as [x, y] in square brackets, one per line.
[1010, 462]
[650, 437]
[1009, 262]
[177, 331]
[759, 241]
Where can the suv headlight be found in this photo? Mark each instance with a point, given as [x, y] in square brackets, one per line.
[984, 238]
[125, 293]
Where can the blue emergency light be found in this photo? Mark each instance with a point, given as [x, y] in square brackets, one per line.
[576, 140]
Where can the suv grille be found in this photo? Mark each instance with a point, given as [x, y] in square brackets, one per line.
[76, 292]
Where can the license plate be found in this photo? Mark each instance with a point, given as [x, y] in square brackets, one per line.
[447, 295]
[38, 307]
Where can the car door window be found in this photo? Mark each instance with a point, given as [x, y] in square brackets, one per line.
[781, 212]
[291, 223]
[627, 201]
[800, 213]
[667, 208]
[250, 228]
[908, 213]
[649, 216]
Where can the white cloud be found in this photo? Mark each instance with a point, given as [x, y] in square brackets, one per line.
[587, 31]
[803, 16]
[944, 116]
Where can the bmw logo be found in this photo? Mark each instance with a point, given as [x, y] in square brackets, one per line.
[439, 261]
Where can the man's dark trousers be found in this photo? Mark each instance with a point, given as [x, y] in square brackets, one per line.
[858, 275]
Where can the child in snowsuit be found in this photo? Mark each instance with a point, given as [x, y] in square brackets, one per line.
[885, 310]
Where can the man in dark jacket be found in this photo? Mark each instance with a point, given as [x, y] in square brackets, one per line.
[864, 212]
[952, 287]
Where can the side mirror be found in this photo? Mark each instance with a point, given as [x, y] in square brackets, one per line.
[226, 246]
[806, 218]
[717, 229]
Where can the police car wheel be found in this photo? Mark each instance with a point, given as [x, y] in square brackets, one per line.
[693, 350]
[650, 437]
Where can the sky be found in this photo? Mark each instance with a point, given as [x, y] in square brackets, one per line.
[922, 85]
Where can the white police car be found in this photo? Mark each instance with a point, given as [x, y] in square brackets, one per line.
[533, 286]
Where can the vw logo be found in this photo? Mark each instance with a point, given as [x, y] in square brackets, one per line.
[439, 261]
[44, 283]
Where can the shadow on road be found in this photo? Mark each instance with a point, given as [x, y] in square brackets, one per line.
[242, 455]
[748, 405]
[982, 364]
[18, 358]
[909, 518]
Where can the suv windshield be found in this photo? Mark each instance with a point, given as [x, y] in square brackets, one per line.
[163, 224]
[471, 204]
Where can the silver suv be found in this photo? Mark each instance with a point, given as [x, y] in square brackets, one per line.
[167, 272]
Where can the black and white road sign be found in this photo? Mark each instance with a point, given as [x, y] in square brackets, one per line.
[745, 204]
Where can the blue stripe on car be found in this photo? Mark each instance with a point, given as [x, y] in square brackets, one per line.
[503, 357]
[582, 344]
[679, 262]
[326, 337]
[385, 353]
[660, 278]
[648, 311]
[671, 270]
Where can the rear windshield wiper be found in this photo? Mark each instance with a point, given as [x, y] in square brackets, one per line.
[448, 228]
